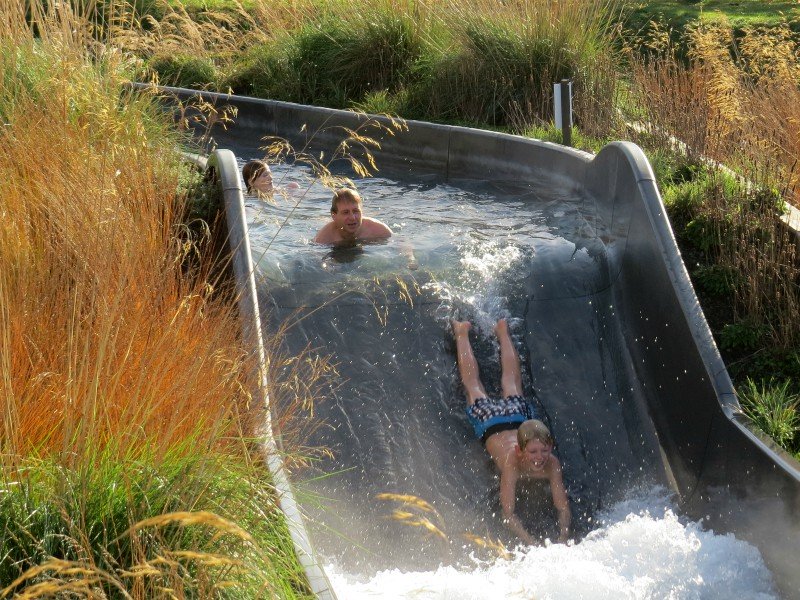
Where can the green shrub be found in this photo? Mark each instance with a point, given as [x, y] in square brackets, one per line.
[183, 70]
[333, 63]
[773, 409]
[498, 76]
[683, 201]
[717, 280]
[766, 363]
[263, 71]
[743, 335]
[381, 102]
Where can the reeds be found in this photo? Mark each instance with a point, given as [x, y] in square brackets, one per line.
[497, 63]
[125, 408]
[470, 60]
[735, 102]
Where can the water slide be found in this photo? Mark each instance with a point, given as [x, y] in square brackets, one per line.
[614, 344]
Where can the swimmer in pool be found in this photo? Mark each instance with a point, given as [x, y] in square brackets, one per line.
[514, 436]
[258, 178]
[348, 224]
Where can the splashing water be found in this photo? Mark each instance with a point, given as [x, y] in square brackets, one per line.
[643, 551]
[477, 290]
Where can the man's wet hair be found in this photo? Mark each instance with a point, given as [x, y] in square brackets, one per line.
[344, 195]
[533, 429]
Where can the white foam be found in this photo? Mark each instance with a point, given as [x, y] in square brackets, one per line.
[643, 551]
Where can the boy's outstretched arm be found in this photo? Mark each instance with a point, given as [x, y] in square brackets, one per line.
[560, 499]
[508, 485]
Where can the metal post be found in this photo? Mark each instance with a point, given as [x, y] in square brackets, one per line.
[566, 112]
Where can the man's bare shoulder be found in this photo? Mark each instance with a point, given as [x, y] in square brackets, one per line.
[326, 235]
[374, 229]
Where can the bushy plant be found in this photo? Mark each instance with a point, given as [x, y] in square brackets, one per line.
[381, 103]
[683, 200]
[499, 69]
[774, 410]
[332, 63]
[717, 280]
[263, 71]
[743, 335]
[184, 70]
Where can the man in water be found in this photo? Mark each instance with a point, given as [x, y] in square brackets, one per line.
[348, 224]
[517, 440]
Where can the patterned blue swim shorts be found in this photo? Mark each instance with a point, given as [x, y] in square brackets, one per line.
[489, 415]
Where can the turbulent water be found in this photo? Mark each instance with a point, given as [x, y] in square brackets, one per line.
[473, 248]
[642, 550]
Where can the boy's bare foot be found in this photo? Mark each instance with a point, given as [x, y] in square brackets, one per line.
[460, 327]
[501, 328]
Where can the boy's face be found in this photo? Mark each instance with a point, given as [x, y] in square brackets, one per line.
[535, 455]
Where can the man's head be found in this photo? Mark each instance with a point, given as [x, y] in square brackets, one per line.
[257, 176]
[346, 211]
[344, 195]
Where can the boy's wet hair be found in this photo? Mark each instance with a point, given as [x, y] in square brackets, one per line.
[344, 195]
[533, 429]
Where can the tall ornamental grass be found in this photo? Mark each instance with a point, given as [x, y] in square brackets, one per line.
[470, 61]
[125, 412]
[734, 100]
[736, 103]
[498, 62]
[332, 62]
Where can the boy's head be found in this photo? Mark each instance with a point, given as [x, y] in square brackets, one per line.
[533, 429]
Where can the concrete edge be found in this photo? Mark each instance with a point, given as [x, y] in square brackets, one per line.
[224, 162]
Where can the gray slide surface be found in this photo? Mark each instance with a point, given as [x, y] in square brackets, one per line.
[620, 357]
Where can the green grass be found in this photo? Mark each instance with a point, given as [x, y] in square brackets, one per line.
[201, 522]
[773, 408]
[739, 13]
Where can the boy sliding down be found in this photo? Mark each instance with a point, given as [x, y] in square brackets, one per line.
[518, 442]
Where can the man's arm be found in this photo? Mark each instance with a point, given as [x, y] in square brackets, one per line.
[560, 499]
[407, 250]
[508, 487]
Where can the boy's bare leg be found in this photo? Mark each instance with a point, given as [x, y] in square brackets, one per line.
[511, 378]
[467, 365]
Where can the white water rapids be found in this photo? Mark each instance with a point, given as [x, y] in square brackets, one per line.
[642, 551]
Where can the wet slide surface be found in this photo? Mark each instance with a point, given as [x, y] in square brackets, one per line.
[615, 348]
[394, 423]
